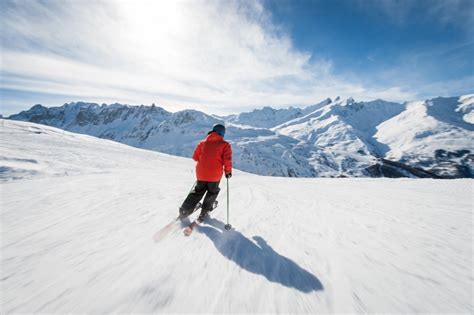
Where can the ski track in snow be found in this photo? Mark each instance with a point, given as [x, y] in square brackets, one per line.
[82, 242]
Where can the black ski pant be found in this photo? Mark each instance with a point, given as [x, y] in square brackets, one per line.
[201, 188]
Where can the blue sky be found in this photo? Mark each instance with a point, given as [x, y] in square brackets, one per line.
[435, 38]
[230, 56]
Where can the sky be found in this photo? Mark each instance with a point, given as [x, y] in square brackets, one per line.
[230, 56]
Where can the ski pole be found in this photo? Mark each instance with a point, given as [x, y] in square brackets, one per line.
[228, 226]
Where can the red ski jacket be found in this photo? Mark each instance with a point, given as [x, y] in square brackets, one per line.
[213, 155]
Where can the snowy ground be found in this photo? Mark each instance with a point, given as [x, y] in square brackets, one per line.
[79, 213]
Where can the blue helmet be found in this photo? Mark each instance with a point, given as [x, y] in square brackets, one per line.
[220, 129]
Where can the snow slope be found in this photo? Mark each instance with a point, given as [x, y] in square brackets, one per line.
[79, 213]
[268, 117]
[435, 134]
[343, 132]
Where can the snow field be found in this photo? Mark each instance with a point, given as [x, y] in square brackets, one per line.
[76, 237]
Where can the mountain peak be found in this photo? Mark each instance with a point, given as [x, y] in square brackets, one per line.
[38, 107]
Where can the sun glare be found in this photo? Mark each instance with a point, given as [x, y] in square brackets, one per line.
[153, 30]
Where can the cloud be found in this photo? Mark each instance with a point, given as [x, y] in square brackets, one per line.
[218, 56]
[457, 13]
[454, 87]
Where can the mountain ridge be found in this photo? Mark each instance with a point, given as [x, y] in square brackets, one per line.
[333, 138]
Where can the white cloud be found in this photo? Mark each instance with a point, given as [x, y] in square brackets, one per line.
[214, 56]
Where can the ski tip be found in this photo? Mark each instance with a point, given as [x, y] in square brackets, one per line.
[187, 231]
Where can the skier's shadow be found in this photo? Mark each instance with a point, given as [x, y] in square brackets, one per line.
[259, 258]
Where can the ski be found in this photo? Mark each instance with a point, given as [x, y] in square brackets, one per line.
[189, 229]
[173, 225]
[167, 229]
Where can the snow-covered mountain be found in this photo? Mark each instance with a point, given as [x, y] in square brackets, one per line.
[257, 150]
[437, 135]
[343, 137]
[433, 135]
[268, 117]
[343, 131]
[79, 214]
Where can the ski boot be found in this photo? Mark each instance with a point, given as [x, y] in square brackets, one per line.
[184, 213]
[205, 213]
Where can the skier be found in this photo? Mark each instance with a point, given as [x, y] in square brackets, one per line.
[214, 157]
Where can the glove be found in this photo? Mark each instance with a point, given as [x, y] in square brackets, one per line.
[228, 175]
